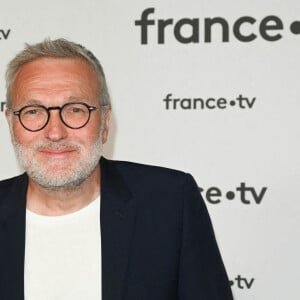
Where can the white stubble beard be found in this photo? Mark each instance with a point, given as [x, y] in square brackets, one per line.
[65, 178]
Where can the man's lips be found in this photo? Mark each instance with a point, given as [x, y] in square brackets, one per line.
[57, 153]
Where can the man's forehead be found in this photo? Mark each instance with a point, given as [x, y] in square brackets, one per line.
[50, 68]
[69, 78]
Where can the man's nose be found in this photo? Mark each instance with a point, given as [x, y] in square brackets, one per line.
[55, 129]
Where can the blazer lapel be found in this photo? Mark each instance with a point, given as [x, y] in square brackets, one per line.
[117, 219]
[12, 237]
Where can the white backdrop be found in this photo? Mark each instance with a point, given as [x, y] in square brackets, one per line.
[243, 152]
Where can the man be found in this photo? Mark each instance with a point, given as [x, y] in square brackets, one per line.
[152, 237]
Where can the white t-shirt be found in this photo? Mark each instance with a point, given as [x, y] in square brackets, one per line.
[63, 255]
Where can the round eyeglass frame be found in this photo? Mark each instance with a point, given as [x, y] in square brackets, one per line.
[60, 108]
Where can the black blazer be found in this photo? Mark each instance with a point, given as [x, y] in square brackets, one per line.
[157, 238]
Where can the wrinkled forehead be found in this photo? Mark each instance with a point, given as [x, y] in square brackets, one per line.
[55, 77]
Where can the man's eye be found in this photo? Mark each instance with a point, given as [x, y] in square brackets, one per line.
[76, 109]
[32, 112]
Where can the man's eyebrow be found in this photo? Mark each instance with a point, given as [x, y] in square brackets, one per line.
[31, 102]
[73, 98]
[39, 102]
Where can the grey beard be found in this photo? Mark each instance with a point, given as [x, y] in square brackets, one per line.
[62, 180]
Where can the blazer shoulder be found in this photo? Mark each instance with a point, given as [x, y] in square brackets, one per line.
[11, 185]
[145, 170]
[151, 177]
[8, 182]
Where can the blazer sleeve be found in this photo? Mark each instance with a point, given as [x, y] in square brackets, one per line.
[202, 274]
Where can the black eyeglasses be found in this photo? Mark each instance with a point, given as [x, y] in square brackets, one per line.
[74, 115]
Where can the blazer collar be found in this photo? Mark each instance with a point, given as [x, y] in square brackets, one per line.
[117, 219]
[117, 228]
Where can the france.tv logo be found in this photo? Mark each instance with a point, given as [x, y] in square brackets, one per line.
[187, 30]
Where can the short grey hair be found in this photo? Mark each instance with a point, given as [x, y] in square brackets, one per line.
[59, 48]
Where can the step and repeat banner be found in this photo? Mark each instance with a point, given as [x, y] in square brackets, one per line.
[208, 87]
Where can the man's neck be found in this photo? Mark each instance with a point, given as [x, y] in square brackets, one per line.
[55, 202]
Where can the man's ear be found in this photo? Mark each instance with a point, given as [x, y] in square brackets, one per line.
[8, 115]
[106, 124]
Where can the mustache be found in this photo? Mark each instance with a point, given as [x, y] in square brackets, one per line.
[56, 146]
[52, 146]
